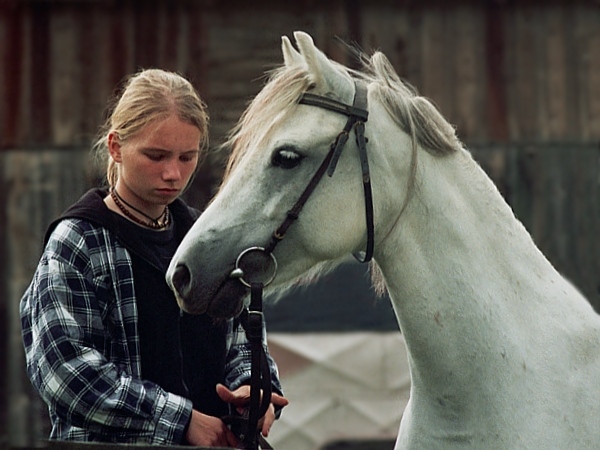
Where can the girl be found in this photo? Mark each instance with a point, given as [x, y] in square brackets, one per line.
[106, 346]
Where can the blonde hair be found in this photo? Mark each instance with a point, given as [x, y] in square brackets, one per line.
[147, 96]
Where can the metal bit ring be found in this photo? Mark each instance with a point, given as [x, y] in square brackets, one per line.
[238, 272]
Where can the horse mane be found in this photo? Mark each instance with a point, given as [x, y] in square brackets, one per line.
[414, 114]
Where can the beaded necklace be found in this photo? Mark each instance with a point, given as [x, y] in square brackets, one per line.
[160, 223]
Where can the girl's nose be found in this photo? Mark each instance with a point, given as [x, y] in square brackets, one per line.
[172, 172]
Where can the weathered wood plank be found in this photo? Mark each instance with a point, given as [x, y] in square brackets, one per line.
[434, 72]
[495, 57]
[39, 185]
[593, 73]
[382, 28]
[525, 93]
[557, 104]
[468, 98]
[11, 57]
[413, 72]
[583, 29]
[40, 105]
[547, 81]
[64, 76]
[120, 57]
[90, 86]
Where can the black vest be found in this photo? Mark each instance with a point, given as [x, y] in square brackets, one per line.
[184, 354]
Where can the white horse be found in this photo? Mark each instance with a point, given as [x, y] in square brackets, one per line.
[504, 353]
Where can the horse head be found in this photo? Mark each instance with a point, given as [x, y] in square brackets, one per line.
[277, 147]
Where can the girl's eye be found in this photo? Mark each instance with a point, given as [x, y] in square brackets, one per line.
[286, 158]
[187, 158]
[154, 157]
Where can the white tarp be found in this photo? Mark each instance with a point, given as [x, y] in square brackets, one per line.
[341, 386]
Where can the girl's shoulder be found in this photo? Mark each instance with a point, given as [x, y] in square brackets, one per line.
[75, 228]
[90, 207]
[87, 248]
[76, 237]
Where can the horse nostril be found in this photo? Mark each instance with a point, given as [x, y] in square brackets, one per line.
[182, 280]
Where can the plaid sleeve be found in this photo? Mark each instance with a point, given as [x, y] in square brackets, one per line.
[238, 364]
[65, 329]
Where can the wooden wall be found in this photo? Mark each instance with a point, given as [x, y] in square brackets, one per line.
[520, 80]
[500, 70]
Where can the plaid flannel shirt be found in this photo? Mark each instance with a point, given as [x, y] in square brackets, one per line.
[79, 321]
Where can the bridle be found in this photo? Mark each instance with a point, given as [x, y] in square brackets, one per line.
[252, 317]
[357, 116]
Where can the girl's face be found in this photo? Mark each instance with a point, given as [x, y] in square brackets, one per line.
[157, 163]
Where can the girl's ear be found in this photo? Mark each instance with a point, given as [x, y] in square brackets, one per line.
[114, 146]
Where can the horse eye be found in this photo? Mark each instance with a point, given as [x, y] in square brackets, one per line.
[286, 158]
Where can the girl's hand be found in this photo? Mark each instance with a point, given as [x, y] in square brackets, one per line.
[240, 399]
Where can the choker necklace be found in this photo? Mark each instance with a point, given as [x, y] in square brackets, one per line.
[160, 223]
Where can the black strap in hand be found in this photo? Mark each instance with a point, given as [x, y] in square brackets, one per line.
[260, 378]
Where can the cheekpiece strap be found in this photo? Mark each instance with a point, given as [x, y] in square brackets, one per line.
[357, 116]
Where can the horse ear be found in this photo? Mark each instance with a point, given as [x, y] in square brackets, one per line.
[291, 57]
[317, 62]
[328, 78]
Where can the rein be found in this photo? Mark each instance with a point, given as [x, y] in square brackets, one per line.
[252, 317]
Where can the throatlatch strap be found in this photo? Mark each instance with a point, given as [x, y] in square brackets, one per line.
[361, 143]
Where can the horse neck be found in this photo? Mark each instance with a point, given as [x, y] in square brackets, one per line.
[458, 266]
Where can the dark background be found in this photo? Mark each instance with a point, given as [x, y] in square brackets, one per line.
[519, 80]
